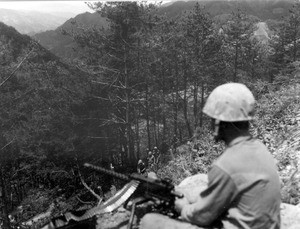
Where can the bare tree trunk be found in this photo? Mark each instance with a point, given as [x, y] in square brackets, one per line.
[137, 130]
[154, 128]
[137, 110]
[185, 105]
[130, 149]
[175, 101]
[147, 114]
[202, 104]
[195, 106]
[235, 64]
[157, 141]
[164, 120]
[6, 223]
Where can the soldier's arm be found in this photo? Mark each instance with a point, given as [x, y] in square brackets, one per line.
[213, 201]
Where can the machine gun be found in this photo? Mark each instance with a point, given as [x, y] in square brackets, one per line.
[160, 192]
[138, 190]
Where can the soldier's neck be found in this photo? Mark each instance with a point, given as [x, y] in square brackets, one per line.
[232, 135]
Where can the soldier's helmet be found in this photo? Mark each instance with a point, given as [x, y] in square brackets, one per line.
[230, 102]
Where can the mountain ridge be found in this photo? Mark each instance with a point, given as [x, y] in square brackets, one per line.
[59, 42]
[64, 46]
[263, 9]
[31, 22]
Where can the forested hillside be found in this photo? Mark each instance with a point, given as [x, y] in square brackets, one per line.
[60, 41]
[262, 9]
[140, 83]
[44, 103]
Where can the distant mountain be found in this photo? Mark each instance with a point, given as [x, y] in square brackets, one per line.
[31, 22]
[263, 9]
[15, 46]
[64, 47]
[61, 44]
[38, 68]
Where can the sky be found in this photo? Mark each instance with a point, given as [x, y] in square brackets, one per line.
[75, 7]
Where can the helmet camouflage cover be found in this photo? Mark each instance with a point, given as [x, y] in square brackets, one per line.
[230, 102]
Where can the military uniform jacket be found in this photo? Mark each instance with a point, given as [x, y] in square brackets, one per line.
[243, 189]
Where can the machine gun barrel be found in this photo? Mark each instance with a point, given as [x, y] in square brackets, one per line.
[108, 172]
[164, 187]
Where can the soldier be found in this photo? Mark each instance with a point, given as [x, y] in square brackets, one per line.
[151, 160]
[111, 166]
[141, 167]
[243, 188]
[156, 154]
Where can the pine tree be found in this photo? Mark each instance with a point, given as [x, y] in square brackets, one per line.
[201, 47]
[117, 54]
[237, 33]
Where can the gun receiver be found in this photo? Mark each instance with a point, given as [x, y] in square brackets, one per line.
[160, 191]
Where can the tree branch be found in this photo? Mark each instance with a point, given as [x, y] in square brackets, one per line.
[14, 71]
[7, 144]
[88, 188]
[107, 84]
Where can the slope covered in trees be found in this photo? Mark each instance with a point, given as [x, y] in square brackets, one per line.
[262, 9]
[44, 103]
[141, 83]
[62, 44]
